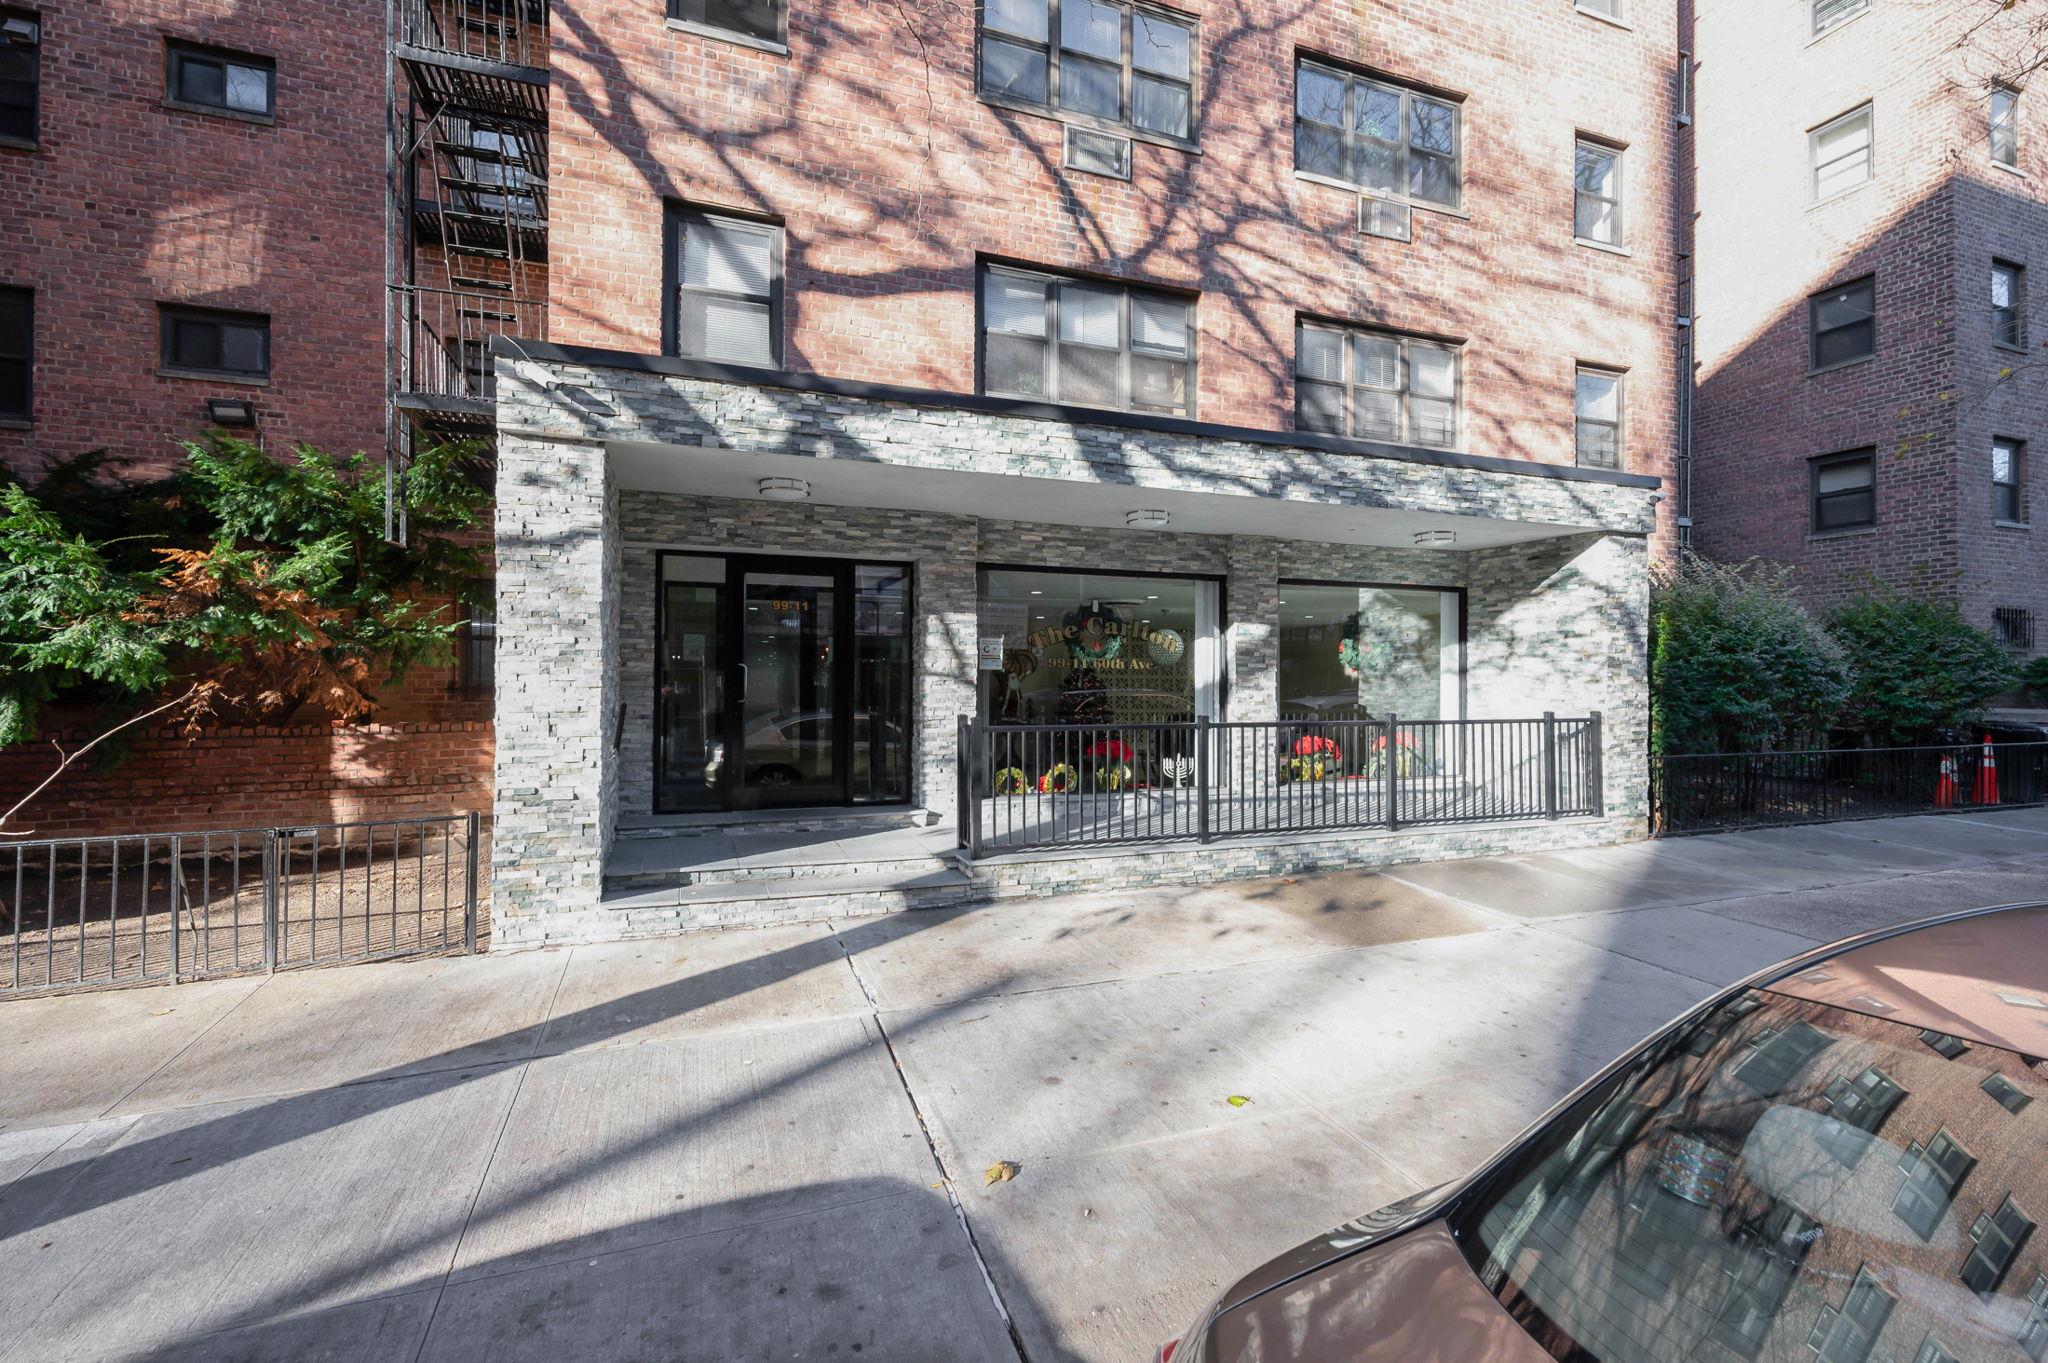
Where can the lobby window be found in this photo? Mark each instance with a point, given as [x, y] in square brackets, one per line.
[1842, 324]
[1376, 385]
[2005, 126]
[2009, 481]
[1998, 1236]
[216, 80]
[1840, 151]
[1844, 490]
[210, 342]
[1088, 647]
[2008, 305]
[760, 20]
[17, 353]
[1086, 343]
[1599, 403]
[1377, 135]
[1360, 652]
[1596, 180]
[1128, 65]
[725, 289]
[1827, 14]
[21, 55]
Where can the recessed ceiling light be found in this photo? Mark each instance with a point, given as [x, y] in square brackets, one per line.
[1147, 520]
[1036, 592]
[785, 489]
[1426, 538]
[1153, 597]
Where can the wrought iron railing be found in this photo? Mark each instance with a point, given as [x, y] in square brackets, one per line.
[1025, 787]
[82, 912]
[1708, 792]
[444, 338]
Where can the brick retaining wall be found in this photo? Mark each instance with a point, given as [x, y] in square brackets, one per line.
[239, 778]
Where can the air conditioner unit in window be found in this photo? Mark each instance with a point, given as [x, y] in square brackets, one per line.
[1379, 217]
[1098, 153]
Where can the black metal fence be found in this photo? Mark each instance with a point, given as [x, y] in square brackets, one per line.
[1037, 786]
[133, 909]
[1709, 792]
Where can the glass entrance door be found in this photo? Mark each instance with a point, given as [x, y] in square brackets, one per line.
[789, 688]
[783, 682]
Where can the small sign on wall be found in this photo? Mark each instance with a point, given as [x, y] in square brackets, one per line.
[990, 653]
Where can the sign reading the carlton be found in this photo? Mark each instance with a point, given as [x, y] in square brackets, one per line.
[1096, 635]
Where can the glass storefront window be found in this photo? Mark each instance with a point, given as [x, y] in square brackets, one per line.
[1096, 648]
[1352, 652]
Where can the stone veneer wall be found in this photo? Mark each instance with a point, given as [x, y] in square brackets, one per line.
[558, 558]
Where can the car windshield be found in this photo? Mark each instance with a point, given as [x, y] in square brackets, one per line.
[1782, 1181]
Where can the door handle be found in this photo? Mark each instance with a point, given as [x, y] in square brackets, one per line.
[743, 683]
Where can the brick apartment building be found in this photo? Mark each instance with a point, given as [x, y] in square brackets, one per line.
[1870, 204]
[928, 332]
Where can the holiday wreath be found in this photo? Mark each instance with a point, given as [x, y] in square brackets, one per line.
[1089, 639]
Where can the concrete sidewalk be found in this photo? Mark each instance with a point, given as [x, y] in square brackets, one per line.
[768, 1144]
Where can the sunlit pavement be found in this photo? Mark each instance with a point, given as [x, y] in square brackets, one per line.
[771, 1144]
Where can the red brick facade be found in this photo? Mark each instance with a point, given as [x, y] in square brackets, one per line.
[1926, 227]
[891, 178]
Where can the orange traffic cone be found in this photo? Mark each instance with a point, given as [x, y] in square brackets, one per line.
[1987, 776]
[1945, 791]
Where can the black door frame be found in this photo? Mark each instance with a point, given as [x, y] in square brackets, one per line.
[732, 644]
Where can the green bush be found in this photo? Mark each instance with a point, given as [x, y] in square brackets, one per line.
[1737, 663]
[2035, 675]
[1919, 665]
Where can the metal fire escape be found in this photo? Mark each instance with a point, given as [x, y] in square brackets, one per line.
[473, 176]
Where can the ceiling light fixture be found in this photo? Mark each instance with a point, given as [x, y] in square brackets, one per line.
[1147, 520]
[785, 489]
[1426, 539]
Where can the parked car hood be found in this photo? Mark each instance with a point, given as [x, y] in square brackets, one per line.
[1412, 1299]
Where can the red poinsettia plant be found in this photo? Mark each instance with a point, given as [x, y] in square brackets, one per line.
[1110, 750]
[1311, 745]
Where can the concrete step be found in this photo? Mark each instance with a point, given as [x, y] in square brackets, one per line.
[791, 900]
[637, 826]
[767, 870]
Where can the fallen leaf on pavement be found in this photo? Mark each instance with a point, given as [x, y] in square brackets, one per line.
[1002, 1171]
[1237, 1100]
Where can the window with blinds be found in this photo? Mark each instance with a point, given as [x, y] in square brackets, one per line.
[725, 290]
[1085, 342]
[1829, 14]
[1376, 385]
[1845, 490]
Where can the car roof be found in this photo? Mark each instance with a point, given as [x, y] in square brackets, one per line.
[1982, 977]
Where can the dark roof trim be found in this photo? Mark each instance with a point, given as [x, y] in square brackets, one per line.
[668, 365]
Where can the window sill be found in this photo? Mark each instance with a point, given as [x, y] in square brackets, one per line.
[1419, 205]
[1839, 365]
[17, 423]
[2009, 170]
[1620, 23]
[726, 35]
[211, 376]
[213, 111]
[1845, 533]
[1593, 245]
[2013, 525]
[1090, 121]
[20, 144]
[2011, 349]
[1832, 29]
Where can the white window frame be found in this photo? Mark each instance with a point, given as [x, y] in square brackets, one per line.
[1866, 111]
[1581, 144]
[2010, 126]
[1404, 390]
[1835, 15]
